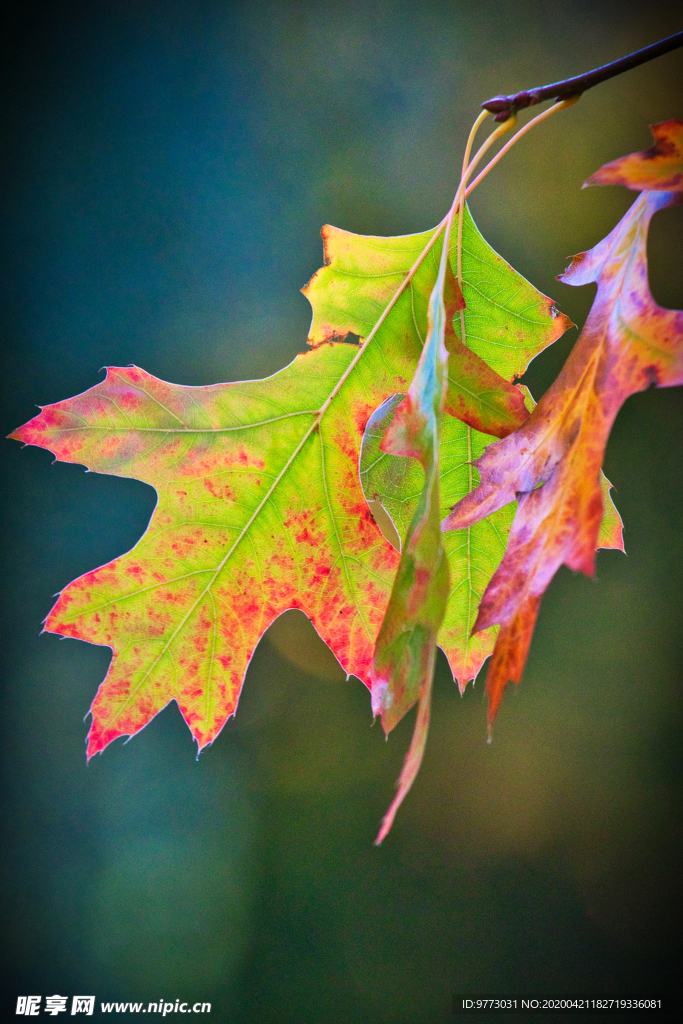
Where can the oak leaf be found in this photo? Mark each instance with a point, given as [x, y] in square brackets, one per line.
[552, 464]
[259, 503]
[402, 668]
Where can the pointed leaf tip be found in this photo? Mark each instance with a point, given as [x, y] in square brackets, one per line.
[412, 762]
[659, 168]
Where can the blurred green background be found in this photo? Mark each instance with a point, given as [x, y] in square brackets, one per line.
[168, 166]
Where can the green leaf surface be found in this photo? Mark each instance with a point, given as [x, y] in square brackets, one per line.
[260, 507]
[507, 320]
[259, 510]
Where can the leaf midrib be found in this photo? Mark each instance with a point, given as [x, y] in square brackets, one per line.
[188, 430]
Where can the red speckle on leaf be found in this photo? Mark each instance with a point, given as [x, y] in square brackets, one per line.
[361, 412]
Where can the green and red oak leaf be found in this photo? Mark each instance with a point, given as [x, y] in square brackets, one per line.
[552, 464]
[260, 508]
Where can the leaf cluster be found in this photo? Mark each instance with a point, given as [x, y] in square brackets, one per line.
[270, 491]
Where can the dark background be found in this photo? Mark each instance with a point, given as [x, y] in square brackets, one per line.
[167, 170]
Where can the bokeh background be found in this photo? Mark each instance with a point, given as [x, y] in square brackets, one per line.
[167, 168]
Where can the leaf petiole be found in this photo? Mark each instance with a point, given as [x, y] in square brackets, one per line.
[556, 107]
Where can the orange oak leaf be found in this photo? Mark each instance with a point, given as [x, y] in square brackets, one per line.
[659, 169]
[551, 465]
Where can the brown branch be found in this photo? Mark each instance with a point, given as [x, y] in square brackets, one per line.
[504, 106]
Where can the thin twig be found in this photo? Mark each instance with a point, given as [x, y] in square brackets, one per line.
[503, 106]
